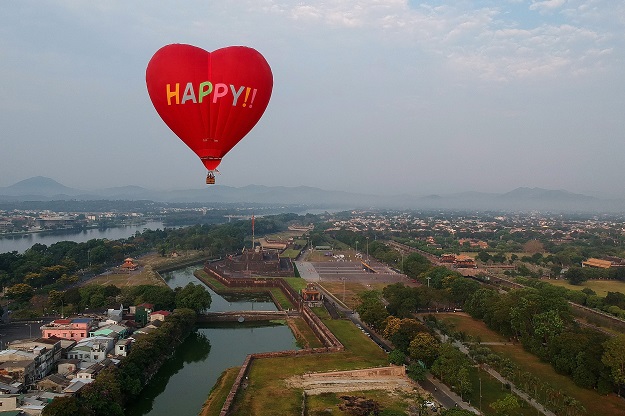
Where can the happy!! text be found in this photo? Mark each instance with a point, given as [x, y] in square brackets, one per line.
[205, 89]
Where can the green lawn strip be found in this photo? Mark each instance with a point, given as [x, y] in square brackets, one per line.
[297, 283]
[601, 287]
[302, 330]
[321, 313]
[282, 300]
[290, 253]
[213, 283]
[355, 341]
[219, 393]
[458, 322]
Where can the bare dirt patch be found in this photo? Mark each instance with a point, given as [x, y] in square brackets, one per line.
[350, 381]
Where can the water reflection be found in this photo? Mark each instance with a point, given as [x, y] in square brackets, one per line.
[194, 349]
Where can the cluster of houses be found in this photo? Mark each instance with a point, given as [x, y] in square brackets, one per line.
[69, 355]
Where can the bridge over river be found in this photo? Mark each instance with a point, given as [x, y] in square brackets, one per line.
[240, 316]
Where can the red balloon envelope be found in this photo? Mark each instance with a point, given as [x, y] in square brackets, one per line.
[210, 100]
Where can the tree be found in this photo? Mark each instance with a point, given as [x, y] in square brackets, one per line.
[415, 264]
[64, 406]
[417, 372]
[483, 256]
[462, 289]
[194, 297]
[408, 329]
[505, 406]
[614, 358]
[424, 347]
[20, 292]
[397, 357]
[55, 298]
[575, 276]
[103, 396]
[371, 309]
[533, 247]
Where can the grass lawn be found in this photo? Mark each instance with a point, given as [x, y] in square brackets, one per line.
[289, 252]
[297, 283]
[601, 287]
[594, 403]
[461, 322]
[143, 276]
[352, 290]
[267, 376]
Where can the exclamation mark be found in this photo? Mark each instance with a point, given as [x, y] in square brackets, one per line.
[253, 96]
[247, 94]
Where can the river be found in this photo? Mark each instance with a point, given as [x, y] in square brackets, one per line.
[22, 242]
[184, 382]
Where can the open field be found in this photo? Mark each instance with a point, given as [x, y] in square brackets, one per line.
[352, 290]
[594, 403]
[268, 377]
[601, 287]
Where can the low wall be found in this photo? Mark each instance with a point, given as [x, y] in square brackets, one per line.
[390, 371]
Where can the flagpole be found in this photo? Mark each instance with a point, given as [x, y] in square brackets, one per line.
[252, 232]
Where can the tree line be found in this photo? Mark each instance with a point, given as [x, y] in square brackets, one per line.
[43, 269]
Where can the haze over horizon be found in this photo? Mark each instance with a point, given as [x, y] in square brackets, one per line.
[383, 97]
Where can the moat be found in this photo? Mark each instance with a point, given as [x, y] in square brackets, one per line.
[184, 382]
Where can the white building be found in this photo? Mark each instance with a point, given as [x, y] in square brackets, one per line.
[92, 349]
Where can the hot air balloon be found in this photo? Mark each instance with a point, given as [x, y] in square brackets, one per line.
[210, 100]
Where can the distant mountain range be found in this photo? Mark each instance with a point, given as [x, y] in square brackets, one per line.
[521, 199]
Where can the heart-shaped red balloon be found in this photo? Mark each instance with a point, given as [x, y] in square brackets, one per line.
[210, 100]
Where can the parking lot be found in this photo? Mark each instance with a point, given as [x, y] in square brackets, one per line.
[351, 271]
[20, 330]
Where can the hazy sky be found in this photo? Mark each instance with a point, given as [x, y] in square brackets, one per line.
[376, 96]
